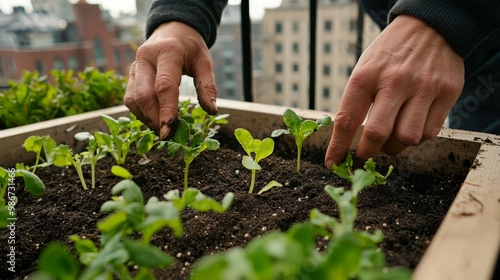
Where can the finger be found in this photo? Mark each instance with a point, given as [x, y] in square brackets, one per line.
[145, 97]
[204, 81]
[354, 106]
[379, 125]
[168, 80]
[438, 112]
[129, 98]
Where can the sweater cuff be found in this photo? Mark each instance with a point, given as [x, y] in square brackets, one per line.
[202, 15]
[463, 23]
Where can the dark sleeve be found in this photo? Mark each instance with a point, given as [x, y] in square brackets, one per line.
[202, 15]
[463, 23]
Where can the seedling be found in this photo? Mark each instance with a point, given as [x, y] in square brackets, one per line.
[128, 216]
[192, 145]
[293, 255]
[123, 132]
[93, 153]
[204, 123]
[8, 198]
[300, 129]
[37, 144]
[63, 156]
[253, 147]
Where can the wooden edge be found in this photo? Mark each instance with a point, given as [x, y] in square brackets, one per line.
[466, 244]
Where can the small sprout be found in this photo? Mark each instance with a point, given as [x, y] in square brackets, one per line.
[300, 129]
[37, 144]
[121, 172]
[93, 153]
[253, 147]
[269, 186]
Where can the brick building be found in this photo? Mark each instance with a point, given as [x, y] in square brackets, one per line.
[80, 35]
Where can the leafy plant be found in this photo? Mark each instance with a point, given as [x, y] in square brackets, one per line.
[191, 144]
[128, 216]
[300, 129]
[257, 148]
[93, 153]
[293, 254]
[204, 123]
[7, 187]
[37, 144]
[63, 156]
[123, 132]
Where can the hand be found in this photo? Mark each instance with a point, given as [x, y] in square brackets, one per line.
[152, 92]
[412, 77]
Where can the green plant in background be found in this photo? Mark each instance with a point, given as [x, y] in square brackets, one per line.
[128, 216]
[257, 148]
[8, 197]
[38, 98]
[123, 132]
[300, 129]
[293, 254]
[37, 144]
[192, 143]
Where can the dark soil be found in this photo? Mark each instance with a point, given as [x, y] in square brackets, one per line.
[408, 209]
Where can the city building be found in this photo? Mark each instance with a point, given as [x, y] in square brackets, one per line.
[66, 36]
[285, 52]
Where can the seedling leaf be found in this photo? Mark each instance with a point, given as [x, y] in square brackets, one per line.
[269, 186]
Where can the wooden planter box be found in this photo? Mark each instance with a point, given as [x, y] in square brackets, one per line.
[467, 243]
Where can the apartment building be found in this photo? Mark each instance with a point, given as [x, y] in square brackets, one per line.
[285, 51]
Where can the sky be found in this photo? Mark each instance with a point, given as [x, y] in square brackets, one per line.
[128, 6]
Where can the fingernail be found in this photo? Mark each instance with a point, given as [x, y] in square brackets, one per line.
[164, 131]
[329, 164]
[214, 104]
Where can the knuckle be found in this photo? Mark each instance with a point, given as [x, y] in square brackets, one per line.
[165, 82]
[345, 122]
[377, 133]
[409, 137]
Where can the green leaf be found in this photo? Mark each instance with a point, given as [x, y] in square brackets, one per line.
[86, 249]
[113, 223]
[146, 255]
[307, 128]
[395, 273]
[145, 143]
[120, 171]
[113, 125]
[245, 139]
[292, 120]
[324, 121]
[266, 149]
[130, 191]
[249, 163]
[58, 262]
[212, 144]
[159, 215]
[33, 183]
[269, 186]
[279, 132]
[82, 136]
[204, 203]
[361, 180]
[182, 134]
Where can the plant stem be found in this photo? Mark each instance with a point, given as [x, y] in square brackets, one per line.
[186, 172]
[299, 151]
[79, 171]
[92, 171]
[252, 184]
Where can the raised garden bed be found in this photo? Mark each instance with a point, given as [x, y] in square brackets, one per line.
[449, 183]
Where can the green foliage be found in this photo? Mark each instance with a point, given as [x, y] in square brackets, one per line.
[293, 255]
[300, 129]
[256, 150]
[63, 156]
[37, 144]
[192, 138]
[8, 197]
[38, 98]
[123, 132]
[118, 251]
[93, 153]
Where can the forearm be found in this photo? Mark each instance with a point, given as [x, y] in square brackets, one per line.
[202, 15]
[463, 23]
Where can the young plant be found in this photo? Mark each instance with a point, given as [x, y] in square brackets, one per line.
[128, 216]
[123, 132]
[37, 144]
[204, 123]
[253, 147]
[300, 129]
[92, 154]
[293, 255]
[8, 197]
[63, 156]
[192, 145]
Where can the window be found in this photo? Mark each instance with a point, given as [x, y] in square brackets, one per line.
[295, 87]
[228, 60]
[295, 47]
[352, 25]
[98, 54]
[328, 26]
[39, 67]
[230, 92]
[118, 57]
[295, 67]
[58, 63]
[326, 92]
[295, 104]
[1, 67]
[278, 27]
[278, 67]
[12, 65]
[327, 48]
[295, 27]
[229, 76]
[278, 48]
[326, 70]
[73, 62]
[278, 87]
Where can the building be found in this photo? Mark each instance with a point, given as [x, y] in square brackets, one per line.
[285, 51]
[71, 36]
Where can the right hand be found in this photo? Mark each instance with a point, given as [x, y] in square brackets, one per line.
[152, 93]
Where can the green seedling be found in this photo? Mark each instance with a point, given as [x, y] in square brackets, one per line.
[129, 216]
[37, 144]
[204, 123]
[93, 153]
[293, 254]
[123, 132]
[63, 156]
[192, 145]
[257, 148]
[300, 129]
[8, 197]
